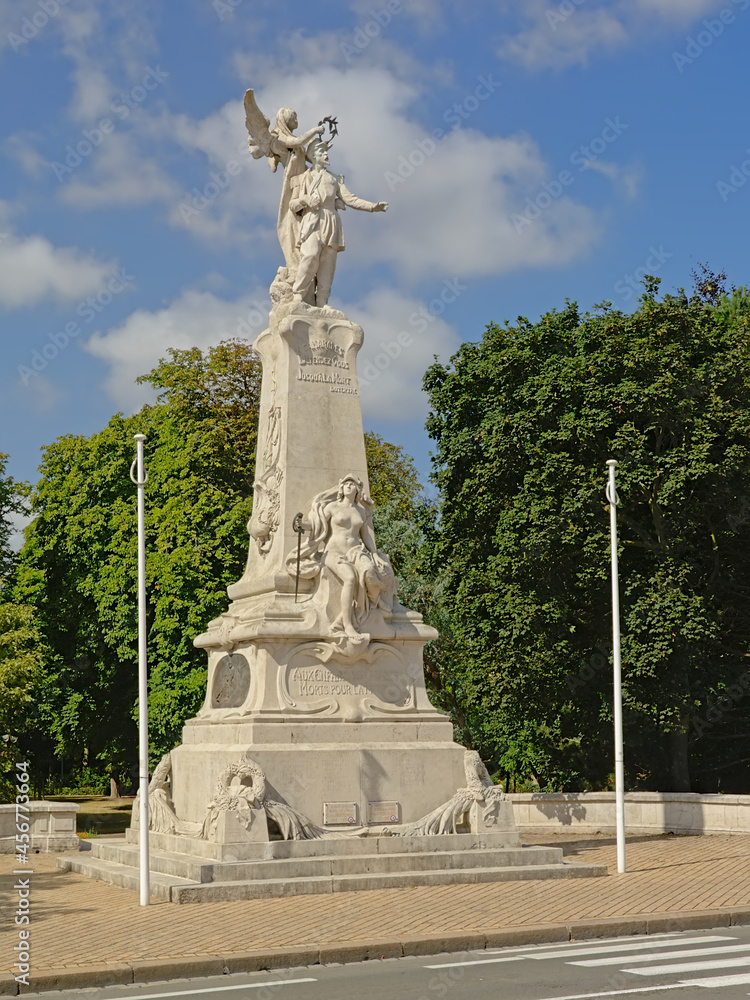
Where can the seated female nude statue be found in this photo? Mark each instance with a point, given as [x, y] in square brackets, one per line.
[341, 542]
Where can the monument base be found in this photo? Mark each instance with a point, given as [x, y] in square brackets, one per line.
[345, 864]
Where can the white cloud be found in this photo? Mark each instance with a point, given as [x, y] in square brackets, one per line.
[21, 147]
[451, 200]
[555, 36]
[195, 319]
[33, 269]
[402, 333]
[115, 176]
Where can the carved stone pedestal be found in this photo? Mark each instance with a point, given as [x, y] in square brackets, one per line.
[333, 709]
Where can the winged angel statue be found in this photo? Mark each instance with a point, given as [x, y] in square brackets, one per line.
[309, 228]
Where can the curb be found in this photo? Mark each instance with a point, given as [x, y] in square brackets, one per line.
[191, 966]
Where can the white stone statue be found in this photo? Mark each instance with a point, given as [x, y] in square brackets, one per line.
[309, 227]
[340, 543]
[281, 146]
[318, 196]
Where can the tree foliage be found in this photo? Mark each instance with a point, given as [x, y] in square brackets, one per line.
[79, 564]
[12, 501]
[524, 422]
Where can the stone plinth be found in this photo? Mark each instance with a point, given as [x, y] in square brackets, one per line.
[52, 826]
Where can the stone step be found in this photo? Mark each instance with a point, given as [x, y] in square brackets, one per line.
[373, 864]
[215, 892]
[169, 863]
[198, 870]
[127, 876]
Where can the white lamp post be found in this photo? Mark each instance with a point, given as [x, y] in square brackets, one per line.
[613, 501]
[140, 479]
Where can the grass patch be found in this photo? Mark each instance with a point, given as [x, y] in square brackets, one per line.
[99, 813]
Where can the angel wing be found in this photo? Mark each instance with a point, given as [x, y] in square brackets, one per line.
[258, 127]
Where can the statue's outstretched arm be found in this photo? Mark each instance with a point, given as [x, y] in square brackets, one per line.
[352, 201]
[294, 141]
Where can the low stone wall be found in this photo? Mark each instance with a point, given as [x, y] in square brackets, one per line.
[645, 812]
[52, 826]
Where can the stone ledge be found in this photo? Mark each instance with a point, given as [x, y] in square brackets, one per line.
[271, 958]
[536, 934]
[177, 968]
[359, 952]
[645, 812]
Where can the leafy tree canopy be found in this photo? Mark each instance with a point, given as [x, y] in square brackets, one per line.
[524, 422]
[12, 501]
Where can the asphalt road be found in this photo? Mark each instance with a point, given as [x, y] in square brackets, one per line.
[684, 964]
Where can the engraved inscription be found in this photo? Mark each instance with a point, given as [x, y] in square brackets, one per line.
[307, 682]
[383, 812]
[339, 813]
[326, 355]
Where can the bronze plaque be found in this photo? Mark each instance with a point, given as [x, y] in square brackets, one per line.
[340, 813]
[383, 812]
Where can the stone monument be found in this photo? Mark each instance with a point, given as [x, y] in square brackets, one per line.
[315, 669]
[317, 738]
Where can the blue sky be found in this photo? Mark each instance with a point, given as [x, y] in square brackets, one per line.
[529, 151]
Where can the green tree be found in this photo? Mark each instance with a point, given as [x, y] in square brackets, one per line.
[79, 564]
[21, 646]
[524, 423]
[12, 501]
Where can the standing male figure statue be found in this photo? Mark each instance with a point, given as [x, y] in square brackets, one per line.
[318, 195]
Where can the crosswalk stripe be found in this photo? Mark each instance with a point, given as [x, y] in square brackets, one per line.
[641, 945]
[476, 961]
[621, 993]
[715, 982]
[563, 951]
[645, 957]
[587, 943]
[666, 970]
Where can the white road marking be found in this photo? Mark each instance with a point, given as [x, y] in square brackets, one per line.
[476, 961]
[214, 989]
[666, 970]
[585, 943]
[645, 957]
[629, 946]
[584, 949]
[715, 982]
[620, 993]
